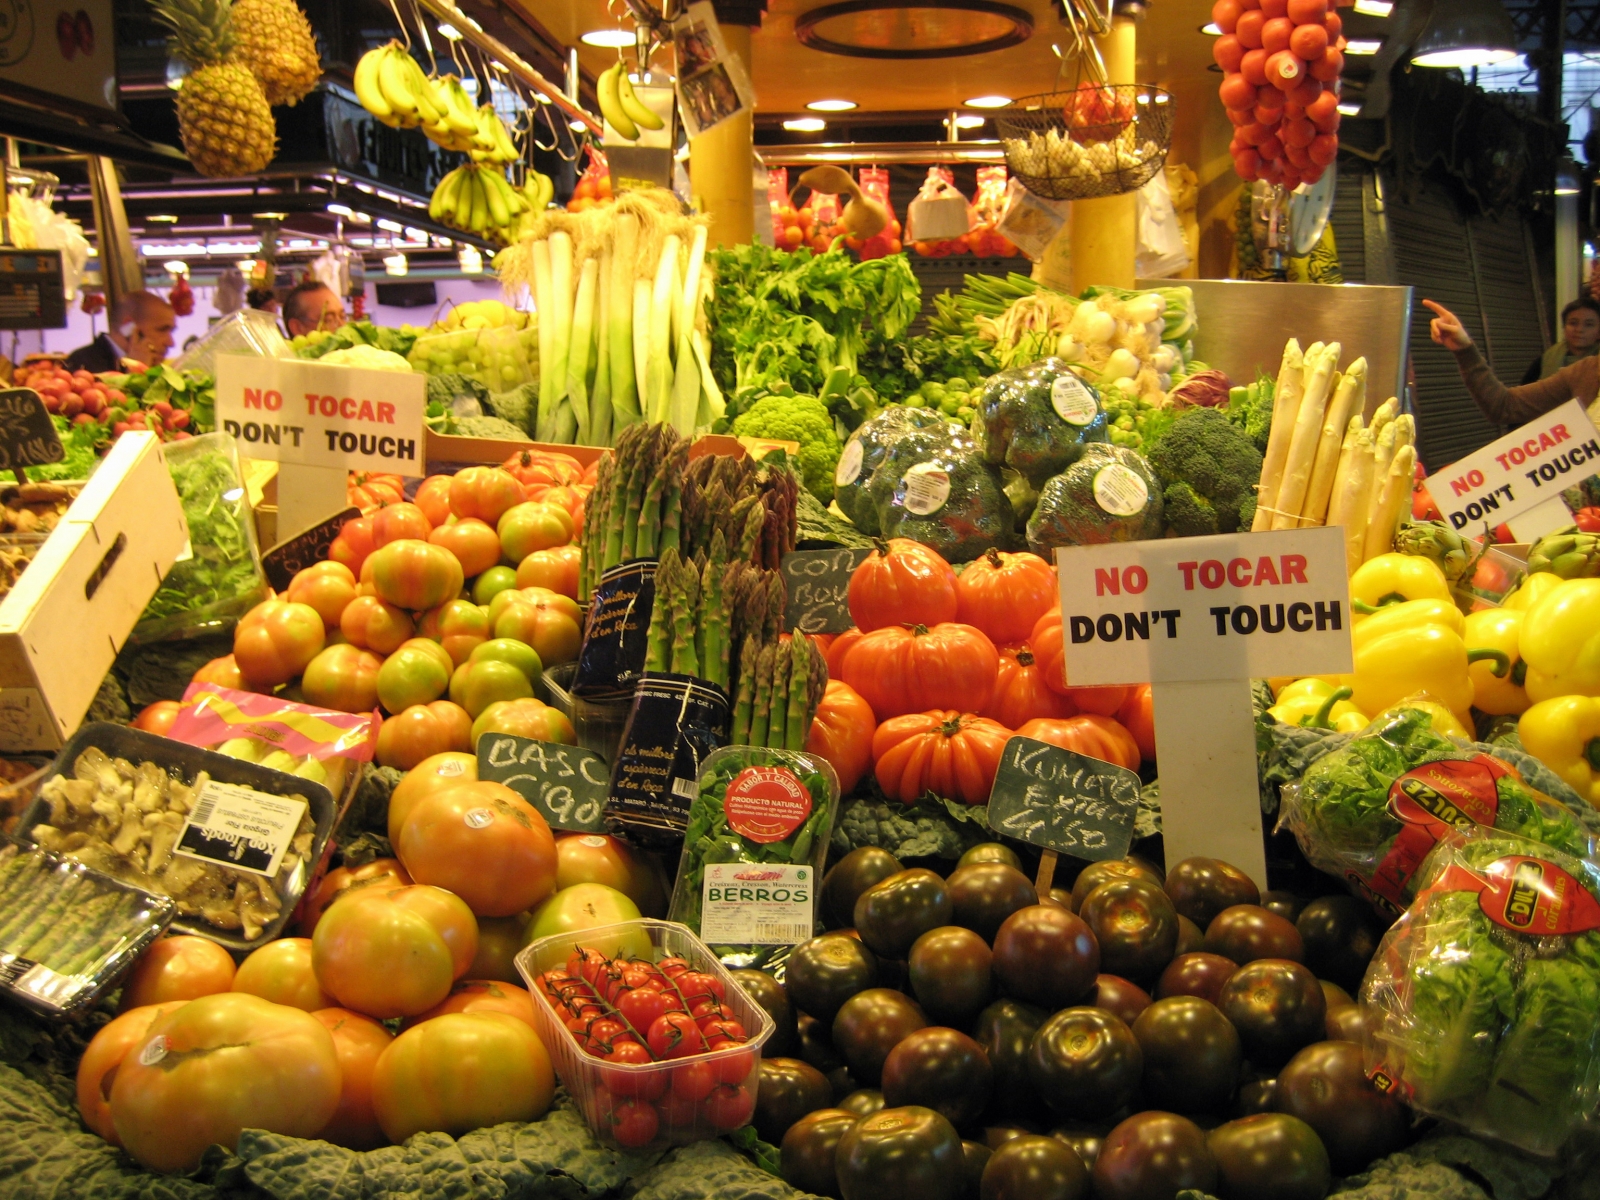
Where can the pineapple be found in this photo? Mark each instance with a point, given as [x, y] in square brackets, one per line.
[275, 40]
[222, 113]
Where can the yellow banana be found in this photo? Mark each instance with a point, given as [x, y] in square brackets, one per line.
[366, 85]
[611, 107]
[515, 200]
[460, 116]
[395, 80]
[642, 114]
[443, 203]
[462, 217]
[499, 210]
[429, 105]
[479, 219]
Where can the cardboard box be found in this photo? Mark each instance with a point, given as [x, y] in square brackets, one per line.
[73, 608]
[445, 452]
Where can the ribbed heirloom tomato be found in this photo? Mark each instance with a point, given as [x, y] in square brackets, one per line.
[275, 640]
[527, 718]
[952, 754]
[842, 733]
[344, 677]
[460, 626]
[482, 995]
[1047, 641]
[555, 569]
[1137, 716]
[531, 526]
[417, 673]
[484, 493]
[217, 1066]
[421, 731]
[354, 543]
[432, 774]
[898, 670]
[1021, 693]
[902, 583]
[327, 587]
[386, 872]
[1089, 733]
[483, 842]
[281, 972]
[545, 620]
[224, 672]
[415, 574]
[475, 545]
[394, 952]
[359, 1042]
[399, 522]
[1005, 594]
[375, 625]
[97, 1069]
[433, 498]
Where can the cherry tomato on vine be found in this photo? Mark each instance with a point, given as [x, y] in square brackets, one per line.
[734, 1068]
[678, 1112]
[633, 1122]
[641, 1006]
[725, 1028]
[730, 1106]
[695, 1081]
[672, 966]
[697, 985]
[675, 1035]
[638, 1085]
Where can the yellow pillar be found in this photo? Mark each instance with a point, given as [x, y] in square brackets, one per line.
[721, 168]
[1104, 230]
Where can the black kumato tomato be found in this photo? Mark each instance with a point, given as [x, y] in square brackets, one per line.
[1153, 1156]
[869, 1025]
[1269, 1156]
[942, 1069]
[849, 877]
[1108, 870]
[1340, 936]
[816, 1045]
[1085, 1062]
[1047, 956]
[1035, 1168]
[1247, 932]
[1198, 974]
[805, 1159]
[1333, 995]
[771, 995]
[976, 1157]
[788, 1090]
[1326, 1086]
[1286, 904]
[1346, 1024]
[1277, 1006]
[1135, 926]
[1255, 1096]
[827, 970]
[901, 1154]
[1119, 997]
[1005, 1031]
[984, 894]
[894, 912]
[1191, 1055]
[1191, 938]
[1085, 1141]
[990, 852]
[863, 1102]
[950, 974]
[1200, 888]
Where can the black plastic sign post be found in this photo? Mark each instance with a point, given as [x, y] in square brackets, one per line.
[819, 588]
[567, 784]
[28, 437]
[287, 559]
[1064, 802]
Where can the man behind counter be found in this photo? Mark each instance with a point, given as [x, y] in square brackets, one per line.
[141, 329]
[311, 306]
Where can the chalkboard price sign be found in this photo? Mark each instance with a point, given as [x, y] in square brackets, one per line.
[28, 437]
[1063, 801]
[819, 588]
[567, 784]
[287, 559]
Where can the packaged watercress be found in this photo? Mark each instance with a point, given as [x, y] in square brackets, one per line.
[758, 834]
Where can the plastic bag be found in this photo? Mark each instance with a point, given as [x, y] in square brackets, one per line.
[1038, 419]
[1480, 1004]
[1109, 495]
[939, 212]
[1030, 222]
[862, 453]
[1161, 251]
[1371, 811]
[949, 498]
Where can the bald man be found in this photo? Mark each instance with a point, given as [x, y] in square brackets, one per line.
[311, 306]
[141, 329]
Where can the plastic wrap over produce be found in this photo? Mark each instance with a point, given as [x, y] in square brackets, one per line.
[1371, 811]
[1481, 1001]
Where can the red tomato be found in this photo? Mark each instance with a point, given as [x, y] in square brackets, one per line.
[675, 1035]
[217, 1066]
[695, 986]
[178, 968]
[534, 468]
[433, 498]
[484, 493]
[399, 522]
[343, 677]
[632, 1123]
[359, 1042]
[1090, 734]
[730, 1106]
[694, 1081]
[157, 717]
[460, 1072]
[902, 583]
[354, 543]
[1137, 716]
[415, 574]
[375, 625]
[1587, 519]
[643, 1085]
[842, 732]
[475, 545]
[275, 640]
[898, 670]
[483, 842]
[359, 940]
[281, 972]
[642, 1005]
[97, 1069]
[530, 526]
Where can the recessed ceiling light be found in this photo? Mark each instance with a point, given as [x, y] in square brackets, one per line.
[178, 267]
[341, 210]
[988, 102]
[1374, 8]
[273, 216]
[1467, 56]
[1211, 29]
[1350, 110]
[805, 125]
[969, 121]
[470, 260]
[576, 125]
[832, 105]
[1363, 46]
[608, 38]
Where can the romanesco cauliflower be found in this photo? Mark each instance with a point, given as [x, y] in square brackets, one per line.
[802, 419]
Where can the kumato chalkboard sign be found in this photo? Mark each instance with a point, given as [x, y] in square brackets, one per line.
[287, 559]
[567, 784]
[28, 437]
[819, 588]
[1063, 801]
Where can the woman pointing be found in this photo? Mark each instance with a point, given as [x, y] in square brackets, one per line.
[1513, 405]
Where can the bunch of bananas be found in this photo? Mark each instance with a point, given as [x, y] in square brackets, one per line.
[625, 112]
[493, 143]
[478, 199]
[459, 128]
[392, 87]
[538, 190]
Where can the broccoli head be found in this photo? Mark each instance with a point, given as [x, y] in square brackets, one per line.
[1209, 469]
[802, 419]
[864, 451]
[1108, 495]
[1037, 419]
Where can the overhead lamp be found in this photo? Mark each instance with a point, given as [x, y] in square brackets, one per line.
[969, 121]
[178, 267]
[471, 261]
[341, 210]
[1363, 46]
[832, 105]
[1374, 8]
[444, 242]
[610, 39]
[576, 125]
[273, 216]
[391, 226]
[1465, 33]
[164, 218]
[1211, 29]
[396, 264]
[988, 102]
[449, 31]
[1349, 110]
[247, 265]
[805, 125]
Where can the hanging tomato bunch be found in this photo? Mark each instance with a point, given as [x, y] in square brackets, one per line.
[1281, 61]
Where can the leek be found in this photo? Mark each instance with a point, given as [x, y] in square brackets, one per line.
[620, 327]
[578, 351]
[658, 367]
[641, 343]
[561, 335]
[600, 396]
[686, 384]
[549, 395]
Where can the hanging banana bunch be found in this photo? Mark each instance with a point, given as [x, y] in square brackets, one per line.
[391, 86]
[538, 190]
[492, 143]
[459, 127]
[621, 106]
[478, 199]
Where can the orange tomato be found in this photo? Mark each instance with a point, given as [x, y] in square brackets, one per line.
[1089, 734]
[281, 972]
[460, 626]
[369, 490]
[414, 574]
[842, 733]
[361, 941]
[385, 871]
[359, 1042]
[178, 968]
[375, 625]
[344, 677]
[1046, 640]
[433, 498]
[435, 773]
[482, 995]
[460, 1072]
[327, 587]
[421, 731]
[1021, 692]
[484, 493]
[531, 526]
[97, 1070]
[224, 672]
[555, 569]
[545, 620]
[953, 755]
[158, 717]
[499, 939]
[353, 545]
[483, 842]
[399, 522]
[275, 640]
[475, 545]
[524, 717]
[1137, 716]
[1005, 594]
[216, 1067]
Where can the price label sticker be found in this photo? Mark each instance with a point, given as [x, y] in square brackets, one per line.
[567, 784]
[240, 827]
[924, 489]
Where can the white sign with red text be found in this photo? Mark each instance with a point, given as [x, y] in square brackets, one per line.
[1240, 606]
[306, 412]
[1524, 471]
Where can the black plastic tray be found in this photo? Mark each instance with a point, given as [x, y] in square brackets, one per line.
[122, 741]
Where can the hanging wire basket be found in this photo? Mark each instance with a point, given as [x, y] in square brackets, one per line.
[1094, 140]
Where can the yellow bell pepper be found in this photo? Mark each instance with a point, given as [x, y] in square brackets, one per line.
[1392, 578]
[1532, 589]
[1319, 706]
[1408, 614]
[1564, 734]
[1427, 659]
[1441, 718]
[1317, 687]
[1497, 629]
[1561, 642]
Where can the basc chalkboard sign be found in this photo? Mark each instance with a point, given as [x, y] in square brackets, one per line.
[28, 437]
[819, 588]
[1063, 801]
[567, 784]
[287, 559]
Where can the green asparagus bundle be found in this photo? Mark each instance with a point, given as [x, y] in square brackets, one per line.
[688, 635]
[70, 920]
[780, 688]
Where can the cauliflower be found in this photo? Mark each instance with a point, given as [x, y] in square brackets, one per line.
[802, 419]
[366, 356]
[1209, 469]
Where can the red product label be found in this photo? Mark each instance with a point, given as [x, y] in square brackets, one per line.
[1526, 895]
[1429, 801]
[766, 804]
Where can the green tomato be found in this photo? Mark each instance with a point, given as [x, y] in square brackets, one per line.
[492, 582]
[587, 906]
[508, 650]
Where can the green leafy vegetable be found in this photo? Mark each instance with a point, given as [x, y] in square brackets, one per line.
[930, 828]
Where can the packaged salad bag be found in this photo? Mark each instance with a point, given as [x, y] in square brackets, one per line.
[1482, 1004]
[1370, 811]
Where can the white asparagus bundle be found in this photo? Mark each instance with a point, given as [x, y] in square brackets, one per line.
[1349, 396]
[1307, 431]
[1383, 455]
[1338, 503]
[1382, 415]
[1285, 406]
[1392, 505]
[1405, 431]
[1352, 501]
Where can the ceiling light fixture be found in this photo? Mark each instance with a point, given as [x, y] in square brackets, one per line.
[391, 226]
[1349, 110]
[832, 105]
[471, 260]
[969, 121]
[1374, 8]
[1363, 46]
[178, 267]
[396, 264]
[1568, 181]
[988, 102]
[341, 210]
[1466, 33]
[164, 218]
[609, 39]
[1211, 29]
[805, 125]
[450, 32]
